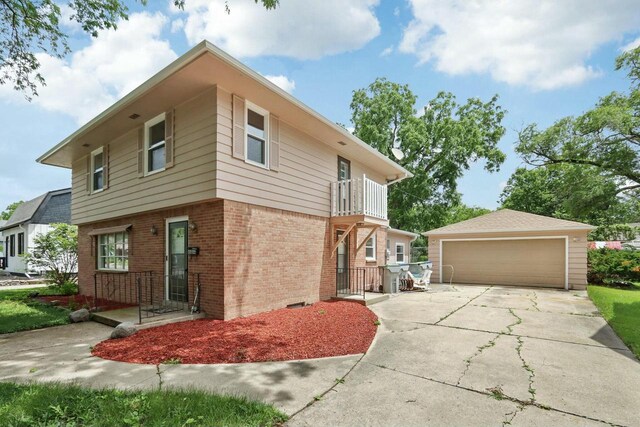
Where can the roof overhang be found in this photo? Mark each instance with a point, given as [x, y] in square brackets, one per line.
[402, 232]
[200, 69]
[109, 230]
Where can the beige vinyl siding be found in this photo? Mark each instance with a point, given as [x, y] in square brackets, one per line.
[302, 182]
[398, 238]
[191, 179]
[577, 256]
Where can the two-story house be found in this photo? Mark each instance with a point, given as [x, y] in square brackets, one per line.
[209, 168]
[30, 219]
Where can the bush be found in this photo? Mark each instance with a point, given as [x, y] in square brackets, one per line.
[607, 265]
[67, 288]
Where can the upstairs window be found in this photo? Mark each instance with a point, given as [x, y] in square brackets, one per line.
[370, 249]
[154, 132]
[257, 131]
[399, 252]
[97, 170]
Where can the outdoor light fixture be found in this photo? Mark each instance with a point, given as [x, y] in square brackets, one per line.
[154, 230]
[134, 116]
[193, 226]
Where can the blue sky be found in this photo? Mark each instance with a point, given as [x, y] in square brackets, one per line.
[545, 59]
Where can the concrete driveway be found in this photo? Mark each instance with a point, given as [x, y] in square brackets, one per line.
[473, 355]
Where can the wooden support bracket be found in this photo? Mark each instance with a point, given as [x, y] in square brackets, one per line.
[341, 239]
[364, 242]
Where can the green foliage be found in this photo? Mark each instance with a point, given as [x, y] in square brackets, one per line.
[574, 192]
[463, 212]
[614, 232]
[32, 26]
[67, 405]
[23, 315]
[611, 265]
[606, 137]
[6, 214]
[57, 253]
[620, 308]
[439, 144]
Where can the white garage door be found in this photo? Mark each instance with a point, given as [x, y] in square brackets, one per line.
[532, 262]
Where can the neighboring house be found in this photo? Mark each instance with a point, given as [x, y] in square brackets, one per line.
[399, 245]
[27, 221]
[210, 168]
[508, 247]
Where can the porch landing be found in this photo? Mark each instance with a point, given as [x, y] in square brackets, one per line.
[130, 314]
[370, 298]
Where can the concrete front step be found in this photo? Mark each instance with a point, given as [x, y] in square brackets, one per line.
[369, 298]
[114, 317]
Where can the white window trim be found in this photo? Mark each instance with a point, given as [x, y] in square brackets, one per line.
[404, 255]
[250, 106]
[94, 153]
[98, 256]
[159, 118]
[373, 239]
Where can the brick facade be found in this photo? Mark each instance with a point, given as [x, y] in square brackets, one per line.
[252, 259]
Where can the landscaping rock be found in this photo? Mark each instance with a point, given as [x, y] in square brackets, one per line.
[123, 330]
[81, 315]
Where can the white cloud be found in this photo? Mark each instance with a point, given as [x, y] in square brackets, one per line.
[386, 52]
[632, 45]
[177, 25]
[542, 44]
[296, 29]
[283, 82]
[96, 76]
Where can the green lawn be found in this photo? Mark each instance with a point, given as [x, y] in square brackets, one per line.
[19, 313]
[621, 308]
[63, 405]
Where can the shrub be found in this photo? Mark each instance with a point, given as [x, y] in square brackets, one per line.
[607, 265]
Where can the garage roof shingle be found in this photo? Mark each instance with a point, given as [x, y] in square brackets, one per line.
[507, 220]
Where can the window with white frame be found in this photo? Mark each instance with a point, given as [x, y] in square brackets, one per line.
[257, 141]
[370, 249]
[399, 252]
[97, 170]
[154, 133]
[113, 251]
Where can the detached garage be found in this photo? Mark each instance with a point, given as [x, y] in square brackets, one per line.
[508, 247]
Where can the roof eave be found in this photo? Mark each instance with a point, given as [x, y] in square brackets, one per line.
[198, 50]
[541, 230]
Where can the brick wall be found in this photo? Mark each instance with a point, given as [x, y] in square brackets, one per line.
[252, 259]
[147, 253]
[274, 258]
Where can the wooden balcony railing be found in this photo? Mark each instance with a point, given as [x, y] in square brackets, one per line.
[359, 196]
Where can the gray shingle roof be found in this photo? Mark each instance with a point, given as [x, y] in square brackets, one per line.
[507, 220]
[54, 206]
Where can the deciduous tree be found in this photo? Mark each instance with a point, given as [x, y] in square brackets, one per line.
[56, 252]
[6, 214]
[439, 143]
[606, 137]
[31, 26]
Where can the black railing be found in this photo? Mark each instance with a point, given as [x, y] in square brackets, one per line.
[358, 280]
[154, 294]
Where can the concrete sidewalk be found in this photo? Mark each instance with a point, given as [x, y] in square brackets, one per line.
[63, 354]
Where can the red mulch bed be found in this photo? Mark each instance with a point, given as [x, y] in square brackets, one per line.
[84, 301]
[323, 329]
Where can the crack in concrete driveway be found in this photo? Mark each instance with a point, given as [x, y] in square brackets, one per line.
[526, 362]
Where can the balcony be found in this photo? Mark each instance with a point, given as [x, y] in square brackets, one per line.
[359, 199]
